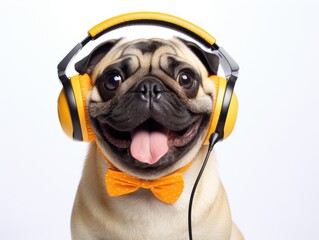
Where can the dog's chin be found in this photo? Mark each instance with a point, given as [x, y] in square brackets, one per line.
[163, 146]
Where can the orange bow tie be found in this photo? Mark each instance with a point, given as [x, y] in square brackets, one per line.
[167, 189]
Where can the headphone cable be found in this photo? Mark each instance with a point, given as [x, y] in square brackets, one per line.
[214, 138]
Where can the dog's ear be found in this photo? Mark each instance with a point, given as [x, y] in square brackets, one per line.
[87, 64]
[210, 60]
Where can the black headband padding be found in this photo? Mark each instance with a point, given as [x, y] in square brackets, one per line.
[159, 23]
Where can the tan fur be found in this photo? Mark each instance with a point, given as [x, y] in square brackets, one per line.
[140, 215]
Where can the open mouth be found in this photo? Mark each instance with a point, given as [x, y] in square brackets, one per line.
[150, 141]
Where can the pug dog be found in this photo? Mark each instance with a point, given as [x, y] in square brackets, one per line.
[150, 108]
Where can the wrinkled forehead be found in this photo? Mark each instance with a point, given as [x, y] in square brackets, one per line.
[149, 47]
[143, 53]
[154, 47]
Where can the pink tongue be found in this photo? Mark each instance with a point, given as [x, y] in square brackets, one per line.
[148, 147]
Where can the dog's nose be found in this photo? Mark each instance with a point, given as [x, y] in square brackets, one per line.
[150, 89]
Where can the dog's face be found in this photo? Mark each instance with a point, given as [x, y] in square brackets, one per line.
[151, 102]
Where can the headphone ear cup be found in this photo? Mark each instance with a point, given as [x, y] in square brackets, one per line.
[81, 86]
[220, 84]
[65, 114]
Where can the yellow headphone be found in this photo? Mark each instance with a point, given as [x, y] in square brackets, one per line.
[72, 106]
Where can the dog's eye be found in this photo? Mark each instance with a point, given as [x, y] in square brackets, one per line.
[186, 80]
[112, 81]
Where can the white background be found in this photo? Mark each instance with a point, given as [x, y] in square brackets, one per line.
[269, 165]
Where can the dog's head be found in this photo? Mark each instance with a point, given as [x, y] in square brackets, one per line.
[151, 102]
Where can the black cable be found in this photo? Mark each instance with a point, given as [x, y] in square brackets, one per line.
[214, 138]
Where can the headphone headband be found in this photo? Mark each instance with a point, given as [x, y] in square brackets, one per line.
[229, 66]
[153, 18]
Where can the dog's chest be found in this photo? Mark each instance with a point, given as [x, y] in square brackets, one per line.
[142, 216]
